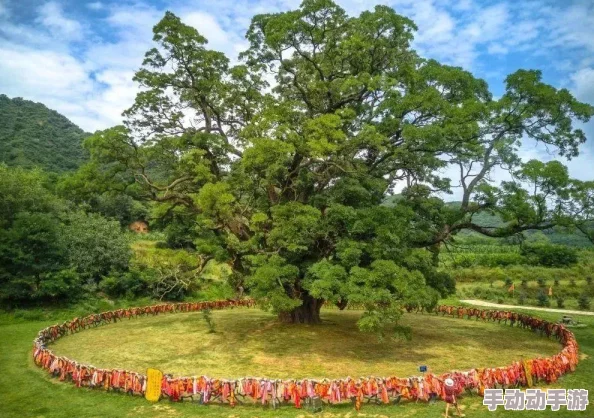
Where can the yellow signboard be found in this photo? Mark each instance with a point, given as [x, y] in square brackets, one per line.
[528, 372]
[153, 385]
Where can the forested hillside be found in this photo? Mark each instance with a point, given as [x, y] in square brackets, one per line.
[31, 135]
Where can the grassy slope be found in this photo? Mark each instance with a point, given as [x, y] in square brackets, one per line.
[26, 391]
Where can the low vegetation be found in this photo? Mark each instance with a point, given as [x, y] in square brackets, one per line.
[533, 271]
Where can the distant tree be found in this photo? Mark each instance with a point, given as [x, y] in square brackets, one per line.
[286, 183]
[24, 190]
[31, 251]
[104, 194]
[584, 302]
[47, 251]
[542, 298]
[95, 245]
[550, 255]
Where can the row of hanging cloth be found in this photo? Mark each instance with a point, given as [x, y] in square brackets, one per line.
[274, 391]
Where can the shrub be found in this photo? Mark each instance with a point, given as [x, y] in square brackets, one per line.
[64, 284]
[466, 260]
[541, 282]
[550, 255]
[560, 302]
[556, 282]
[441, 281]
[572, 283]
[589, 280]
[131, 284]
[30, 314]
[96, 246]
[584, 302]
[542, 299]
[463, 261]
[215, 291]
[508, 281]
[524, 283]
[522, 298]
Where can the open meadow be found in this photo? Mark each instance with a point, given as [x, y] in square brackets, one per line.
[29, 392]
[249, 342]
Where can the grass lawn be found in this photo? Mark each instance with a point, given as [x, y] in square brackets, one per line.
[250, 342]
[26, 391]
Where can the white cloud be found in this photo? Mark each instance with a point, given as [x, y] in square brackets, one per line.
[218, 39]
[94, 89]
[132, 29]
[573, 26]
[117, 96]
[583, 84]
[97, 5]
[4, 12]
[497, 49]
[31, 72]
[487, 24]
[16, 33]
[55, 79]
[453, 34]
[52, 17]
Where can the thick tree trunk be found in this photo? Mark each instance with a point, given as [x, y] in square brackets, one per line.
[307, 313]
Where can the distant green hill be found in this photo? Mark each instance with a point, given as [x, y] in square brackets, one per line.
[31, 135]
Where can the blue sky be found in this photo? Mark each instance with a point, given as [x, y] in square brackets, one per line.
[78, 57]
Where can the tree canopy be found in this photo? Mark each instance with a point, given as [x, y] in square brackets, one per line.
[279, 165]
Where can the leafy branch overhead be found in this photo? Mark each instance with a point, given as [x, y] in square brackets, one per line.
[280, 164]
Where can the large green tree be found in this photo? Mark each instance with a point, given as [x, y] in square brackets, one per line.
[285, 181]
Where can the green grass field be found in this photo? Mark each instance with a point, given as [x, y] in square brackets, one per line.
[26, 391]
[250, 342]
